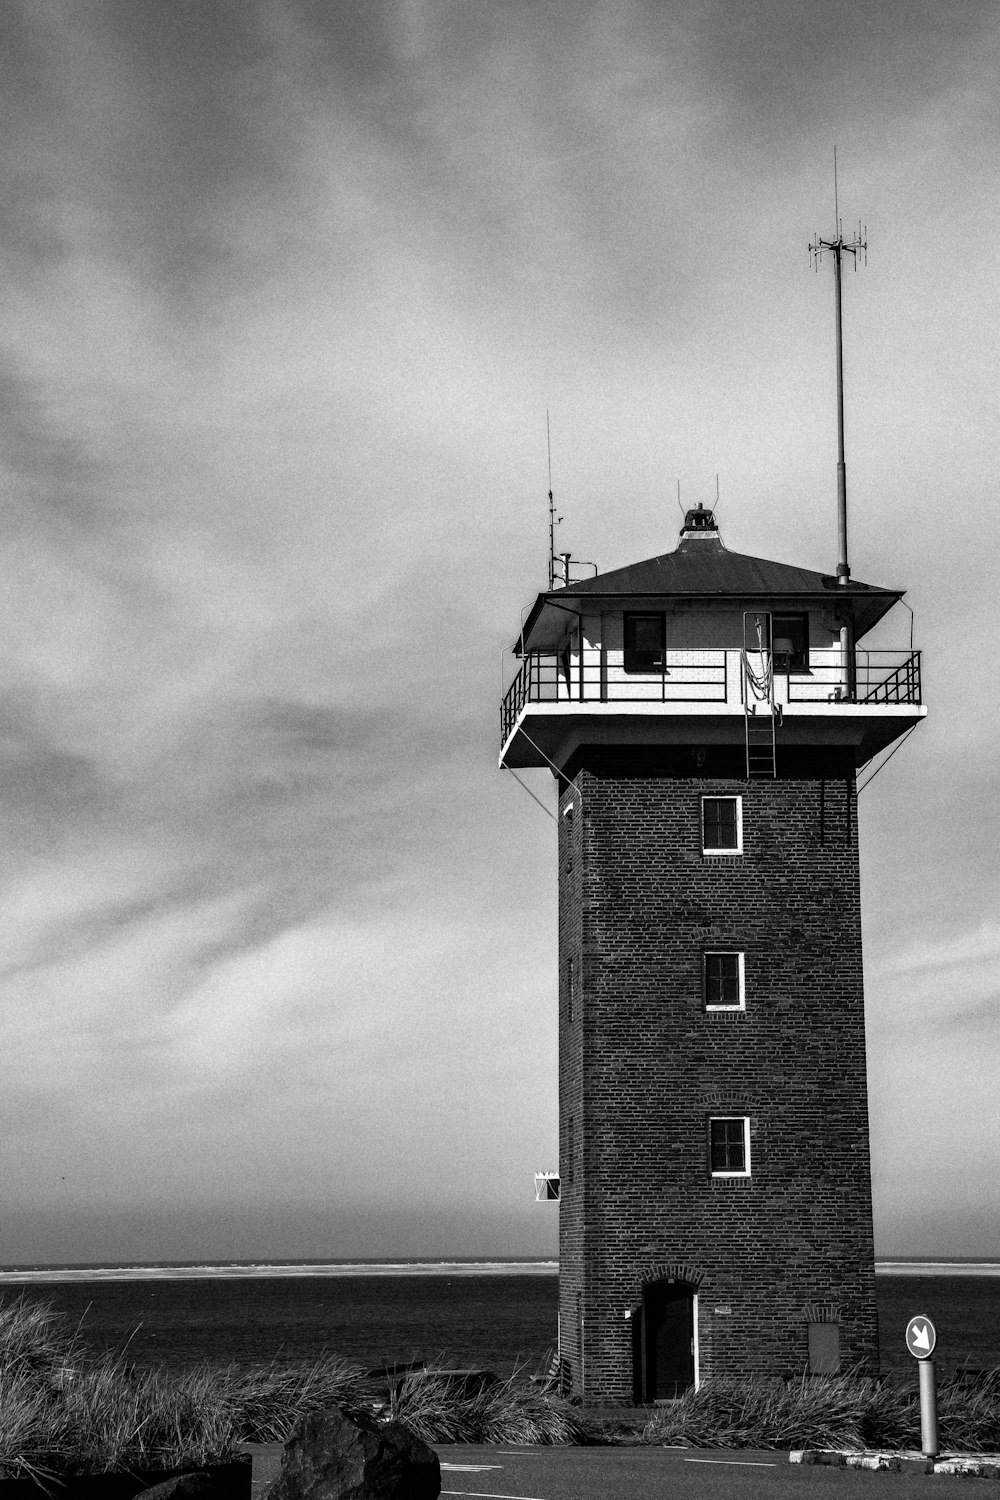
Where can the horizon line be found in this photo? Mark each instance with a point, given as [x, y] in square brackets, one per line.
[40, 1272]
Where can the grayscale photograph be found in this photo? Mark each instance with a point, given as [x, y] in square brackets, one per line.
[499, 784]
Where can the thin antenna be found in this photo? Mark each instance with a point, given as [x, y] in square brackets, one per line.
[679, 505]
[554, 520]
[838, 248]
[716, 505]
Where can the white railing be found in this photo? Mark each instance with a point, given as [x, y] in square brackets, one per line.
[594, 677]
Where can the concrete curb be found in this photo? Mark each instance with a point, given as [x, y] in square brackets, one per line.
[981, 1466]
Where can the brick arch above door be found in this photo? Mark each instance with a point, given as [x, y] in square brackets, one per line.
[670, 1270]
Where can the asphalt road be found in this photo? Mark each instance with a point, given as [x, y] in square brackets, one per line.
[658, 1474]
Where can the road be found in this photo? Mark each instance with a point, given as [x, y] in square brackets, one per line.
[510, 1473]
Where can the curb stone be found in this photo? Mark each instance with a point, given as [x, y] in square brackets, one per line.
[895, 1463]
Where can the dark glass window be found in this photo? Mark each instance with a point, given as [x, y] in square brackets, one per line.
[720, 823]
[722, 979]
[727, 1144]
[645, 642]
[790, 642]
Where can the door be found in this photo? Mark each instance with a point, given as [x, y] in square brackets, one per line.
[668, 1340]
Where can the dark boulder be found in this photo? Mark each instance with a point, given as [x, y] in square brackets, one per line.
[334, 1456]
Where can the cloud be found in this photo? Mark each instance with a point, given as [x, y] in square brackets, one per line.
[290, 289]
[965, 950]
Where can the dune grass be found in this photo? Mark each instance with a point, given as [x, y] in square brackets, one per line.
[512, 1411]
[65, 1411]
[838, 1411]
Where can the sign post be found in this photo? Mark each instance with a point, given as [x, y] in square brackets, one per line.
[921, 1338]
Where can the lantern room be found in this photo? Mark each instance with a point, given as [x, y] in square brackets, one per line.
[710, 645]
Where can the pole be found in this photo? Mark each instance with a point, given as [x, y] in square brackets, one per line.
[843, 567]
[838, 246]
[928, 1408]
[843, 570]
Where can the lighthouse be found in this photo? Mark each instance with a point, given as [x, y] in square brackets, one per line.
[706, 714]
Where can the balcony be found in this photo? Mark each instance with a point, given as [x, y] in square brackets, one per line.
[710, 684]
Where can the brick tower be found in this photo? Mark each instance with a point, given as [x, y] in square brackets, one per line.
[706, 714]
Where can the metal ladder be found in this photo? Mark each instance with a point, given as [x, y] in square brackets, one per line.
[761, 715]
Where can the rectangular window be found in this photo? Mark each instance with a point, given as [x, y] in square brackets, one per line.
[722, 825]
[724, 981]
[790, 642]
[645, 642]
[570, 1149]
[729, 1145]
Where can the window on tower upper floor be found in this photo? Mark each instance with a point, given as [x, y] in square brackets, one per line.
[645, 642]
[723, 981]
[729, 1145]
[722, 825]
[790, 642]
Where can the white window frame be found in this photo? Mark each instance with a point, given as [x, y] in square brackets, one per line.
[746, 1146]
[741, 1004]
[723, 797]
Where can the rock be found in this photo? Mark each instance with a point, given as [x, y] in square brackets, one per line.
[336, 1457]
[199, 1485]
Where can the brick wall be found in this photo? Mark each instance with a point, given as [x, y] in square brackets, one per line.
[642, 1065]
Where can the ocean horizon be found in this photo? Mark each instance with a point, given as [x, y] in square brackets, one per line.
[261, 1269]
[198, 1270]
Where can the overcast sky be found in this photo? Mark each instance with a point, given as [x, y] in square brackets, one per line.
[288, 288]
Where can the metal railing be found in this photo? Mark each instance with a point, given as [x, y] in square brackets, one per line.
[684, 677]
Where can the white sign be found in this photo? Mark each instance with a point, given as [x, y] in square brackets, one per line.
[921, 1336]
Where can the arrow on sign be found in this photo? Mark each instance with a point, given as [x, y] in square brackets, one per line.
[921, 1336]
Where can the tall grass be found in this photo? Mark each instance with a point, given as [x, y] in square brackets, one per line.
[63, 1411]
[838, 1411]
[512, 1411]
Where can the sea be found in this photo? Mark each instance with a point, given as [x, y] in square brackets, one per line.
[499, 1315]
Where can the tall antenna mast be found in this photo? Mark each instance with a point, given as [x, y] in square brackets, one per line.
[554, 520]
[838, 248]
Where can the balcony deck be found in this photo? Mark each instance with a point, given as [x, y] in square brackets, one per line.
[557, 702]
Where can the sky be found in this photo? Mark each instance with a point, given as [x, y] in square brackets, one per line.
[289, 287]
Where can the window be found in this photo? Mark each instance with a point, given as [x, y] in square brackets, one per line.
[722, 825]
[570, 1149]
[570, 984]
[729, 1145]
[645, 643]
[790, 642]
[723, 984]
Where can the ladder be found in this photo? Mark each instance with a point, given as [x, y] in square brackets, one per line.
[760, 723]
[761, 715]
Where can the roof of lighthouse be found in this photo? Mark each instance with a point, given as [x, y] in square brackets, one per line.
[701, 567]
